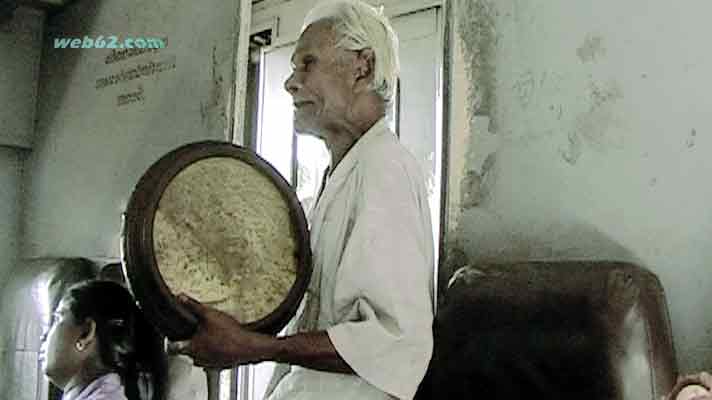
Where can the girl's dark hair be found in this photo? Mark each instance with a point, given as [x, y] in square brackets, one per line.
[128, 344]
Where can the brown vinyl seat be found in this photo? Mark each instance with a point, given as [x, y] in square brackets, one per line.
[552, 330]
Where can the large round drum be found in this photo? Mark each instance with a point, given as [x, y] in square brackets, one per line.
[215, 221]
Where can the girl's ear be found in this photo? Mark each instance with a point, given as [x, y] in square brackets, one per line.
[87, 335]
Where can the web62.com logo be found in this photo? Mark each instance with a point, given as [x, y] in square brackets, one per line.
[110, 42]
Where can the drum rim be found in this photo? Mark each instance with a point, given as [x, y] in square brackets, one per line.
[138, 254]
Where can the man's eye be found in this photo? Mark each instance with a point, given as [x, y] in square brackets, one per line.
[307, 63]
[304, 64]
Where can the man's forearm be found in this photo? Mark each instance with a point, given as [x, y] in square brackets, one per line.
[312, 350]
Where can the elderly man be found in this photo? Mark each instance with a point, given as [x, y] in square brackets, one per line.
[364, 329]
[692, 387]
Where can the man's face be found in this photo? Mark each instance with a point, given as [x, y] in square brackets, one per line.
[321, 83]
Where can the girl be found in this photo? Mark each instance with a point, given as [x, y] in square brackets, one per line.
[99, 346]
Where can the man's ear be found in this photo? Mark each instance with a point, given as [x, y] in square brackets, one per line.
[365, 65]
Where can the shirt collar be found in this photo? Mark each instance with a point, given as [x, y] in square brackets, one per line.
[108, 383]
[352, 156]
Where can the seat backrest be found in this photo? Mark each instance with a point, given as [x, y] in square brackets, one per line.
[566, 329]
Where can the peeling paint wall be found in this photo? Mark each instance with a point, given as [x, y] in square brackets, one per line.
[581, 130]
[106, 115]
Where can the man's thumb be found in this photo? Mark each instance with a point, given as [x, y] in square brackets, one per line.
[194, 306]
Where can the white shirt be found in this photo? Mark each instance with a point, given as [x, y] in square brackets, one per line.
[106, 387]
[372, 285]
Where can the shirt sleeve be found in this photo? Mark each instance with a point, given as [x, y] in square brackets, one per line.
[383, 291]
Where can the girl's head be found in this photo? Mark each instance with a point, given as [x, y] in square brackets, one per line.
[96, 329]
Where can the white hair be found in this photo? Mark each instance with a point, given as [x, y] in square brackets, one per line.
[359, 26]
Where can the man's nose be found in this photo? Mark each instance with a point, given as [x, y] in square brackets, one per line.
[291, 85]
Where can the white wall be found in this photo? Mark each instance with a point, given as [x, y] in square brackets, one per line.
[582, 130]
[10, 180]
[90, 150]
[20, 48]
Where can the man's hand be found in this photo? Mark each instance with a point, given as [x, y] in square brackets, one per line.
[692, 387]
[220, 340]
